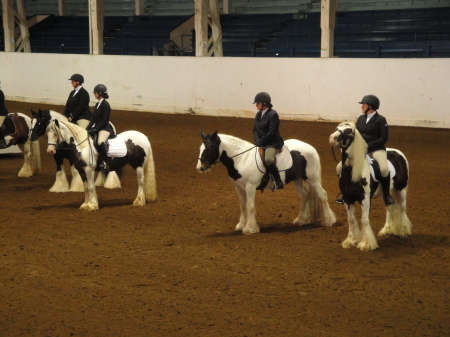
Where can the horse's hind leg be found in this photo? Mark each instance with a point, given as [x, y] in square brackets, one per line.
[140, 199]
[304, 216]
[318, 204]
[397, 221]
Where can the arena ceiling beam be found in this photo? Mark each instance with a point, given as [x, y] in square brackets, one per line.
[15, 26]
[207, 14]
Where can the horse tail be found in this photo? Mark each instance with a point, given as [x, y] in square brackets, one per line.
[150, 177]
[35, 152]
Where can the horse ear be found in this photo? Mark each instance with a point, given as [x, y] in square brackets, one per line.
[203, 135]
[56, 123]
[214, 136]
[34, 113]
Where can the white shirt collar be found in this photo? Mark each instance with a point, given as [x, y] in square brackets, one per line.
[369, 116]
[77, 89]
[100, 102]
[263, 111]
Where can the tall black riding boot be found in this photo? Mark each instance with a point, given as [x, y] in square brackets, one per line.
[2, 136]
[385, 185]
[103, 156]
[273, 170]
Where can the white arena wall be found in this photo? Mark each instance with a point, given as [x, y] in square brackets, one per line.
[413, 92]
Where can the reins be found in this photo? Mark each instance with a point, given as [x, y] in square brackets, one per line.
[221, 161]
[340, 143]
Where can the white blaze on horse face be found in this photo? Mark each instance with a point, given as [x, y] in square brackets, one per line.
[200, 167]
[51, 139]
[333, 138]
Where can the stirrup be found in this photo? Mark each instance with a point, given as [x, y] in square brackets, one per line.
[104, 166]
[278, 185]
[339, 200]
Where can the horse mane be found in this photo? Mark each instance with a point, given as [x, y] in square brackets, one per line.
[78, 133]
[235, 142]
[56, 115]
[357, 154]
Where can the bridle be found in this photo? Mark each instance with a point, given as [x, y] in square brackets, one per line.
[340, 143]
[209, 165]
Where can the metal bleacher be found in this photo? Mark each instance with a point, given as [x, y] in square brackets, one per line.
[256, 28]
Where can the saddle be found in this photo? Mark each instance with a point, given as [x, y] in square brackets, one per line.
[283, 160]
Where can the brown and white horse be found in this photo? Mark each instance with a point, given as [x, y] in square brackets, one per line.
[17, 127]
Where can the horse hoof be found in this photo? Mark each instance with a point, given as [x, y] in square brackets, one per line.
[250, 231]
[239, 227]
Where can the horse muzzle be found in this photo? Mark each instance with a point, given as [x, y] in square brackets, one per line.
[203, 166]
[51, 149]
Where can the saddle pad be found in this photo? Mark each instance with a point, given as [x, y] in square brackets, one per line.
[117, 147]
[372, 173]
[283, 160]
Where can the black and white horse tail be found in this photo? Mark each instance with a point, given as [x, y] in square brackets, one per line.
[150, 177]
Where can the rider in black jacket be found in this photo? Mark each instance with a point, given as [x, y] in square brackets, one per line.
[374, 129]
[77, 106]
[266, 133]
[100, 124]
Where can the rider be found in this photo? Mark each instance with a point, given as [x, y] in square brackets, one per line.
[3, 114]
[374, 129]
[100, 124]
[266, 133]
[77, 106]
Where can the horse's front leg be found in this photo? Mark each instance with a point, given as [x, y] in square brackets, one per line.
[90, 194]
[251, 227]
[354, 233]
[61, 183]
[243, 206]
[26, 170]
[368, 240]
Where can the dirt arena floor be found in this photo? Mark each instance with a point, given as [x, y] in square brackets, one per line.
[177, 268]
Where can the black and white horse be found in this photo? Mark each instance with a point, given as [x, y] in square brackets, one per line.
[17, 126]
[357, 185]
[241, 160]
[41, 119]
[137, 153]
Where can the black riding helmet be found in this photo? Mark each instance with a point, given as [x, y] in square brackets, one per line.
[100, 89]
[262, 97]
[372, 101]
[77, 77]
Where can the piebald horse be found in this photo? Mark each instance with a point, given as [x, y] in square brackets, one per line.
[357, 185]
[239, 157]
[17, 126]
[41, 119]
[138, 154]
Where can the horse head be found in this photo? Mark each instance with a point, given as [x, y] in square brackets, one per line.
[343, 135]
[209, 151]
[39, 123]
